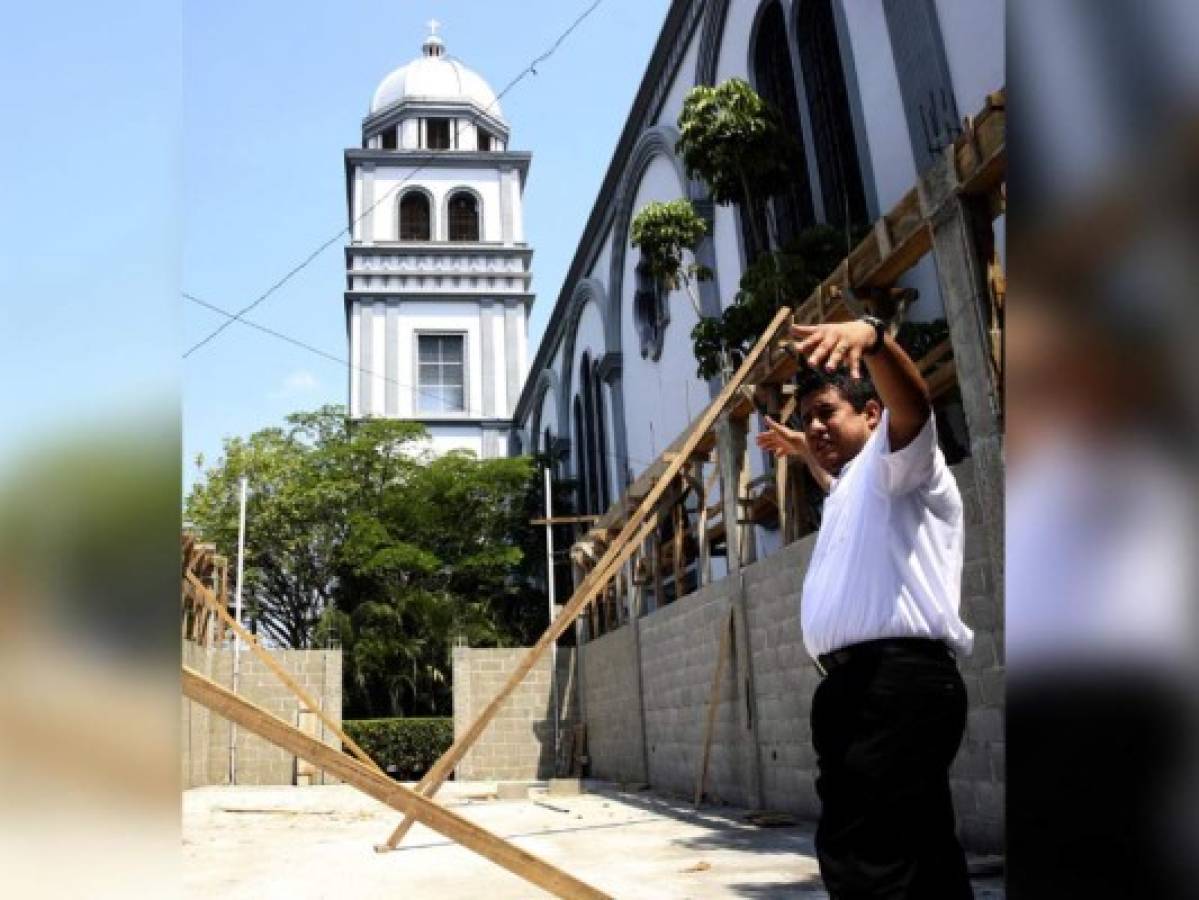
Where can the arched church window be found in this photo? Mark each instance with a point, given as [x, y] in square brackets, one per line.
[649, 311]
[582, 475]
[415, 219]
[591, 445]
[828, 108]
[601, 439]
[774, 79]
[464, 217]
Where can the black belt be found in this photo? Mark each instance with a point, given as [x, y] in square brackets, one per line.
[826, 662]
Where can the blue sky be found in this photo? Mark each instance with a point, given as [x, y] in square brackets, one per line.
[273, 93]
[89, 217]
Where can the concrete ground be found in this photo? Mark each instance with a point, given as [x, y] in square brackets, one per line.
[316, 842]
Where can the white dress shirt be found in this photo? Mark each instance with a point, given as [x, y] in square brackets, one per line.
[888, 558]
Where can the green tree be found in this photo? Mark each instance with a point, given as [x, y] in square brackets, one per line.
[666, 233]
[356, 534]
[736, 143]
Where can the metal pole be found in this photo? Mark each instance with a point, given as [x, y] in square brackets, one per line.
[241, 552]
[549, 578]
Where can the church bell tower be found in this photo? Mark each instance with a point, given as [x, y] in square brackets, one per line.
[437, 268]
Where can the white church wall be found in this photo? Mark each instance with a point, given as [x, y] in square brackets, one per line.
[616, 479]
[517, 200]
[548, 419]
[657, 393]
[603, 261]
[357, 226]
[891, 157]
[683, 81]
[733, 61]
[378, 376]
[499, 359]
[882, 104]
[444, 438]
[355, 356]
[590, 338]
[973, 34]
[522, 355]
[516, 342]
[727, 238]
[557, 364]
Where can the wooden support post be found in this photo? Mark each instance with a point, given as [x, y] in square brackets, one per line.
[731, 447]
[785, 484]
[281, 673]
[377, 785]
[677, 544]
[705, 549]
[639, 524]
[782, 468]
[722, 655]
[961, 229]
[656, 548]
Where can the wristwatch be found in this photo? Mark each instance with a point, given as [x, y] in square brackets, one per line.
[880, 332]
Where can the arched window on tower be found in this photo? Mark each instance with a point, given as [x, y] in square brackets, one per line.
[464, 217]
[415, 220]
[774, 79]
[828, 108]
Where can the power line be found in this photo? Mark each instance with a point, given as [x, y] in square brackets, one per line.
[324, 245]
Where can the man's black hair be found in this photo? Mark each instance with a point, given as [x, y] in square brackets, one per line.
[856, 390]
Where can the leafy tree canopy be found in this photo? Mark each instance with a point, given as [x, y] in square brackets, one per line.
[356, 534]
[734, 141]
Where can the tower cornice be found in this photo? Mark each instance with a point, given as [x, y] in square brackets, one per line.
[442, 159]
[403, 109]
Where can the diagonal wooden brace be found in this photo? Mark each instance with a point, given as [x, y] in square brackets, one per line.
[634, 532]
[375, 784]
[271, 663]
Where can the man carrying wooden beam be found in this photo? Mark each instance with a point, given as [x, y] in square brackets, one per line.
[879, 615]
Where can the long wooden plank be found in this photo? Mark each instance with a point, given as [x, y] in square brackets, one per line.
[614, 557]
[701, 778]
[375, 784]
[281, 673]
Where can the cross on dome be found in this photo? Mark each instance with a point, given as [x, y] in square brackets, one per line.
[433, 45]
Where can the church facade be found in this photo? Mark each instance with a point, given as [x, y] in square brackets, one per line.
[872, 89]
[437, 266]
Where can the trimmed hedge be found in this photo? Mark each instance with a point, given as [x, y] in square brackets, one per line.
[405, 748]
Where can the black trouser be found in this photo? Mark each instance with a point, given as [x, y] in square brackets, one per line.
[886, 725]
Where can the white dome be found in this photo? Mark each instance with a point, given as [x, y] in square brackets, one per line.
[434, 77]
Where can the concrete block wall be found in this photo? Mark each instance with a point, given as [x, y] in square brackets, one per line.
[518, 744]
[206, 736]
[978, 775]
[197, 722]
[614, 735]
[784, 679]
[679, 650]
[679, 646]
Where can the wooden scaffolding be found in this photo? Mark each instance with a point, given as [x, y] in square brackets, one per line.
[697, 496]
